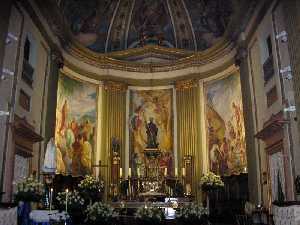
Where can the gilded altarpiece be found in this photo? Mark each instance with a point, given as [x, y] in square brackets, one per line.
[146, 105]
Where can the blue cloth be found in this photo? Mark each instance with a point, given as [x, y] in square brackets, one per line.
[24, 210]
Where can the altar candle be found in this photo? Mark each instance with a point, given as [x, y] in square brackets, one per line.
[51, 196]
[138, 172]
[166, 172]
[176, 172]
[67, 192]
[121, 172]
[183, 172]
[129, 172]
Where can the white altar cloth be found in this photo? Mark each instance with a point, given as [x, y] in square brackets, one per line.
[8, 216]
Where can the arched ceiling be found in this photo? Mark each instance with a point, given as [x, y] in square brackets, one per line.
[105, 26]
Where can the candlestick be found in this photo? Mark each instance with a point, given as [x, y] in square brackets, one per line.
[138, 172]
[129, 172]
[176, 172]
[121, 172]
[166, 172]
[67, 192]
[51, 196]
[183, 172]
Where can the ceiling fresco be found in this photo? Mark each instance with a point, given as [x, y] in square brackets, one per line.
[113, 25]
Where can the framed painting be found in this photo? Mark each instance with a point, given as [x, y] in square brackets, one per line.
[76, 122]
[225, 126]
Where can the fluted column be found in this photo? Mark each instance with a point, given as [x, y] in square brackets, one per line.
[188, 128]
[113, 124]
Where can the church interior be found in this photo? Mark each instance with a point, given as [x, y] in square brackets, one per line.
[150, 112]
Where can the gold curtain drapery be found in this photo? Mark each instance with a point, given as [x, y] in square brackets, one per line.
[113, 125]
[188, 129]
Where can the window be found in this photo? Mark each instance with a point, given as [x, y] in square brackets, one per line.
[268, 65]
[27, 50]
[24, 100]
[28, 70]
[272, 96]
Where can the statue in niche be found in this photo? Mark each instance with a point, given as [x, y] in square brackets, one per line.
[50, 157]
[151, 130]
[115, 167]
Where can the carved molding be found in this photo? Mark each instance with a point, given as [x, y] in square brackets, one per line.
[114, 86]
[186, 84]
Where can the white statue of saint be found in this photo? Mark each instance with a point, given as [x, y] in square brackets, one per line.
[50, 157]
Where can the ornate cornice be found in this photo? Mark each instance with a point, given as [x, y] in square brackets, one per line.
[115, 86]
[186, 84]
[188, 59]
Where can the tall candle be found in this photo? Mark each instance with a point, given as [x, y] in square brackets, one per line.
[176, 172]
[166, 172]
[138, 172]
[183, 172]
[51, 196]
[67, 192]
[129, 172]
[121, 172]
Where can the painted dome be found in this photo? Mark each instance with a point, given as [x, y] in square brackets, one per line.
[113, 25]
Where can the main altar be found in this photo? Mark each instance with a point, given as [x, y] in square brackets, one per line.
[155, 183]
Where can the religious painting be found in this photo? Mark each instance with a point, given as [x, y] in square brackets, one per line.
[151, 111]
[225, 126]
[89, 21]
[151, 24]
[75, 133]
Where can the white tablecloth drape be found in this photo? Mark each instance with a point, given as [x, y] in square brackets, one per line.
[8, 216]
[44, 216]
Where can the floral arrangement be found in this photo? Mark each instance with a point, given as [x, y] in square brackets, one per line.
[91, 188]
[149, 215]
[193, 214]
[75, 201]
[90, 183]
[29, 190]
[100, 213]
[211, 181]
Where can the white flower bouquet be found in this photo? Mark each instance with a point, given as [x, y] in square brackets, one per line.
[29, 190]
[211, 181]
[192, 214]
[100, 213]
[149, 215]
[91, 188]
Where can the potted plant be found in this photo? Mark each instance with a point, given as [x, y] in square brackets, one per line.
[29, 190]
[100, 213]
[28, 194]
[73, 203]
[149, 216]
[192, 215]
[209, 184]
[91, 189]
